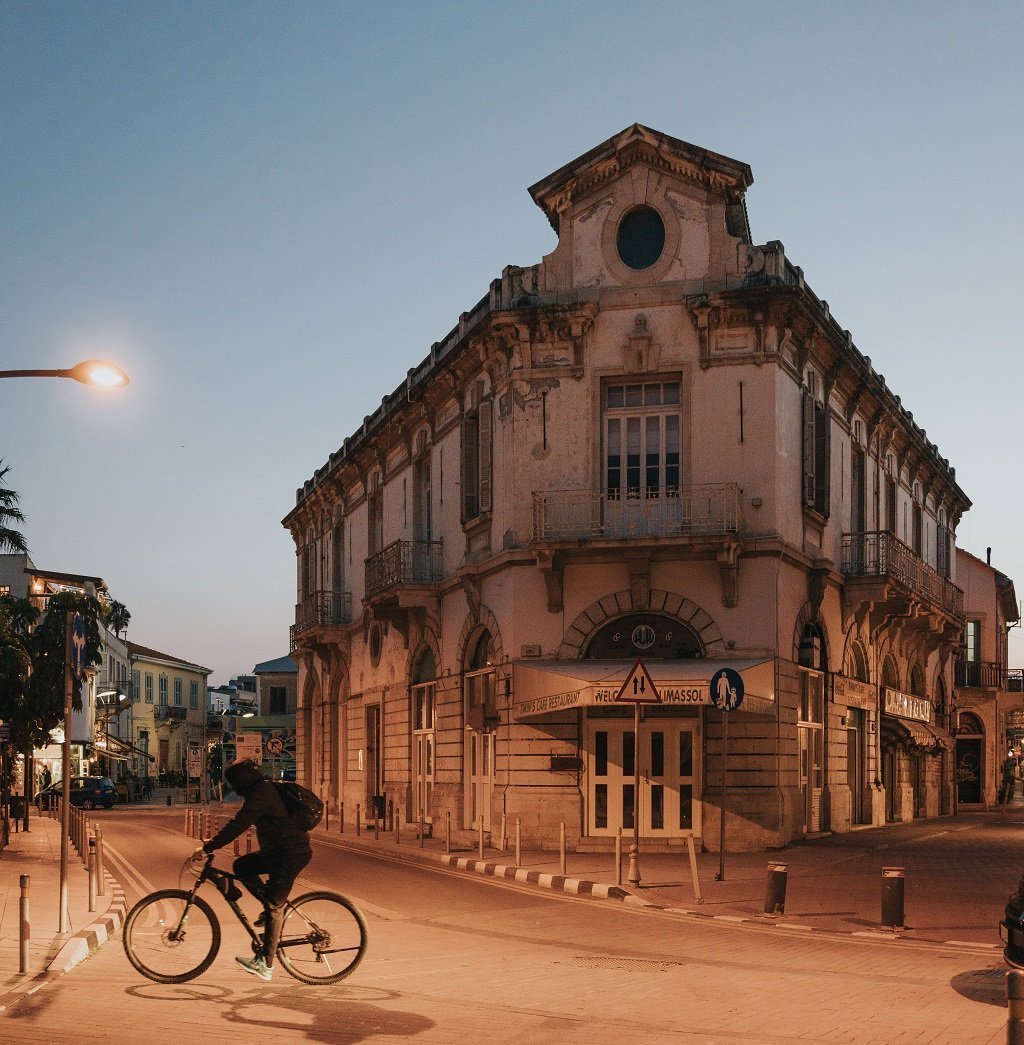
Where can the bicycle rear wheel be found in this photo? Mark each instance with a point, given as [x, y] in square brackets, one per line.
[171, 936]
[323, 938]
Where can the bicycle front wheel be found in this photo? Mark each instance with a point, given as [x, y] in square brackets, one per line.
[323, 938]
[171, 936]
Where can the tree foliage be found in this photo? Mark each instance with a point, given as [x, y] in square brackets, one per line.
[11, 540]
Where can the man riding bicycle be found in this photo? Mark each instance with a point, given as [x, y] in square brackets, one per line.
[284, 850]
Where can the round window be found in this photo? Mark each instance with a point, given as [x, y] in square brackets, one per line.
[641, 237]
[376, 643]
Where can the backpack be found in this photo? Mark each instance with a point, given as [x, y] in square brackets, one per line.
[304, 807]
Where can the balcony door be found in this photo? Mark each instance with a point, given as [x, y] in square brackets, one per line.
[642, 458]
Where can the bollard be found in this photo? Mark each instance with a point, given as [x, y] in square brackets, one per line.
[391, 814]
[422, 830]
[235, 848]
[1014, 1005]
[519, 842]
[775, 890]
[90, 864]
[480, 832]
[25, 924]
[101, 885]
[448, 832]
[327, 816]
[168, 800]
[618, 857]
[376, 825]
[357, 819]
[398, 825]
[248, 841]
[892, 897]
[504, 836]
[561, 848]
[341, 817]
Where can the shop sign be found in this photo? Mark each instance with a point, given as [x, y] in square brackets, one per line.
[903, 705]
[853, 693]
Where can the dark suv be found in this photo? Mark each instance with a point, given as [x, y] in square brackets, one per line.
[89, 792]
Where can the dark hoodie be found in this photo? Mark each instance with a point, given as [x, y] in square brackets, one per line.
[263, 808]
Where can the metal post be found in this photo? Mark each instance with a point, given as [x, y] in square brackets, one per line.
[1014, 1005]
[357, 819]
[618, 856]
[480, 828]
[561, 847]
[720, 877]
[892, 897]
[504, 836]
[448, 832]
[519, 842]
[693, 868]
[391, 813]
[90, 864]
[65, 765]
[101, 885]
[248, 841]
[775, 890]
[341, 817]
[633, 877]
[423, 831]
[398, 825]
[327, 816]
[25, 924]
[376, 825]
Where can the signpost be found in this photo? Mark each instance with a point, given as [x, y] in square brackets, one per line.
[638, 689]
[726, 695]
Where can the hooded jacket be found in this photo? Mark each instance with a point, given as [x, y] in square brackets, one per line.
[264, 809]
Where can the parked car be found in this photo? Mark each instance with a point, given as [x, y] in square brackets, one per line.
[86, 791]
[288, 773]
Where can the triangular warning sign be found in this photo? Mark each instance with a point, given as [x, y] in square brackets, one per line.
[639, 687]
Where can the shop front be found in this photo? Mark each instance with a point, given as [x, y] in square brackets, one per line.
[914, 754]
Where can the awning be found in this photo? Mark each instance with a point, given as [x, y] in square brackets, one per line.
[544, 687]
[118, 749]
[912, 733]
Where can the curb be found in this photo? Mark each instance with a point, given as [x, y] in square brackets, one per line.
[89, 940]
[562, 883]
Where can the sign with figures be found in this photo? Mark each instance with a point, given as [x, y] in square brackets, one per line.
[726, 689]
[249, 745]
[195, 760]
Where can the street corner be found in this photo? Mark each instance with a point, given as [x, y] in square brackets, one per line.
[88, 940]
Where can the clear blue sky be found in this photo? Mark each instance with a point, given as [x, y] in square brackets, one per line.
[266, 212]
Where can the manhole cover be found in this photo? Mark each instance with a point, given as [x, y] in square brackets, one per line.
[622, 964]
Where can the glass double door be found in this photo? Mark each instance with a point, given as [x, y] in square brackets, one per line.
[669, 799]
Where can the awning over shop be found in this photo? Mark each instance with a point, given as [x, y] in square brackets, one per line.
[543, 687]
[112, 747]
[912, 733]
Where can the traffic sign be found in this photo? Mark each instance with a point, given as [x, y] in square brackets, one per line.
[726, 689]
[639, 687]
[78, 646]
[5, 733]
[275, 746]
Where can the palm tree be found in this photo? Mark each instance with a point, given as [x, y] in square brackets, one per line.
[11, 540]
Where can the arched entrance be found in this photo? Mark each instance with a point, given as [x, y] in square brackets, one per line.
[970, 759]
[669, 743]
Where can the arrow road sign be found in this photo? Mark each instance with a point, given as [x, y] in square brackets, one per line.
[639, 687]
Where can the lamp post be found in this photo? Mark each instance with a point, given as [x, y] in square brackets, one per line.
[88, 372]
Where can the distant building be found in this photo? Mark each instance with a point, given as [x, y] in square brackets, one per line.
[277, 686]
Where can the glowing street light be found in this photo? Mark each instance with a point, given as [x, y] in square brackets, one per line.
[89, 372]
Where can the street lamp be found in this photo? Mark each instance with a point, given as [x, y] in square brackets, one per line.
[89, 372]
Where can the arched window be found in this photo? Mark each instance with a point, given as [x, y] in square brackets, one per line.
[653, 636]
[889, 676]
[969, 725]
[917, 681]
[857, 663]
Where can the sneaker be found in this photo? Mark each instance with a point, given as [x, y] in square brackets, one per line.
[257, 966]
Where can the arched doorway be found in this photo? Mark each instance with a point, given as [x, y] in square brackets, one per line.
[478, 702]
[422, 699]
[970, 759]
[668, 750]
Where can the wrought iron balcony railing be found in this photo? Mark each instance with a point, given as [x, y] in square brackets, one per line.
[113, 695]
[323, 609]
[880, 553]
[403, 562]
[169, 713]
[700, 510]
[989, 675]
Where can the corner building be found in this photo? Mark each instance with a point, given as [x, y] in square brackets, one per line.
[656, 443]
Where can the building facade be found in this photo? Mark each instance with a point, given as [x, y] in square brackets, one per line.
[169, 716]
[655, 444]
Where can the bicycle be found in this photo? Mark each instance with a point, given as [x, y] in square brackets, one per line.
[173, 935]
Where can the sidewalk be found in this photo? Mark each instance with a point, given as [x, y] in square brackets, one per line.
[36, 853]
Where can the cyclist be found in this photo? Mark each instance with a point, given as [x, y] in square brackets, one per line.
[284, 850]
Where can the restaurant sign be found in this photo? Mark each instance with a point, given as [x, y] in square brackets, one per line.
[903, 705]
[854, 693]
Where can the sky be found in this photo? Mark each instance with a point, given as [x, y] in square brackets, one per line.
[265, 213]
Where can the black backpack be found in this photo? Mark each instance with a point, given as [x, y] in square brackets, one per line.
[304, 807]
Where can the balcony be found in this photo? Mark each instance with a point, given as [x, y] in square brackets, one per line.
[982, 674]
[318, 610]
[114, 695]
[403, 564]
[169, 713]
[573, 515]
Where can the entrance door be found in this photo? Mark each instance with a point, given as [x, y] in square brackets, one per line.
[479, 777]
[854, 776]
[374, 765]
[811, 777]
[969, 770]
[668, 777]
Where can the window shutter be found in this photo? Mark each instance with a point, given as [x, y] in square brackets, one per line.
[468, 467]
[808, 449]
[822, 454]
[485, 442]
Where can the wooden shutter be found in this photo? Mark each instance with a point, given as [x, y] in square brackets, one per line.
[807, 457]
[485, 443]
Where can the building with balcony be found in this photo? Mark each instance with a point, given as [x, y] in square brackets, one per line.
[171, 712]
[987, 717]
[657, 443]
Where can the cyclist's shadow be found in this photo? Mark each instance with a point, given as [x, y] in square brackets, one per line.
[341, 1014]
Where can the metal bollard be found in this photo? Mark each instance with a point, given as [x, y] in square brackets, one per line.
[618, 857]
[504, 835]
[398, 825]
[422, 830]
[775, 890]
[519, 843]
[101, 885]
[357, 819]
[376, 825]
[248, 841]
[1014, 1005]
[327, 816]
[235, 848]
[341, 817]
[91, 868]
[448, 832]
[391, 814]
[561, 848]
[480, 831]
[892, 897]
[25, 924]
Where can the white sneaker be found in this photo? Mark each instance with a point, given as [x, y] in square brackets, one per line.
[257, 966]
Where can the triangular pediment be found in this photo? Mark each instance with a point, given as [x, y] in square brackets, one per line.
[568, 185]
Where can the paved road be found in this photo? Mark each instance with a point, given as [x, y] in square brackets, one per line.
[456, 957]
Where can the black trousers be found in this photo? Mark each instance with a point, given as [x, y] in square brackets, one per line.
[280, 870]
